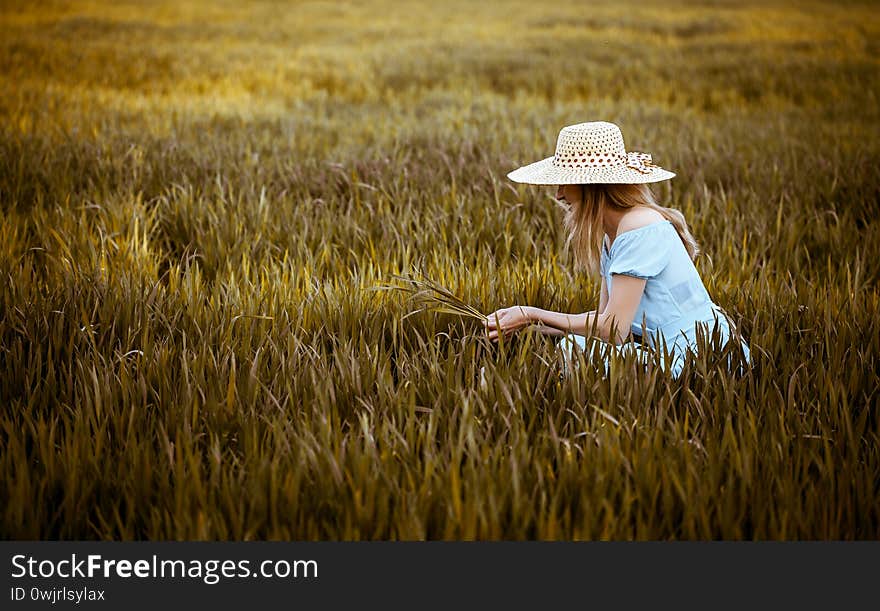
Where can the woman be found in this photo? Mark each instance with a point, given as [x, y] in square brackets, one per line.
[643, 252]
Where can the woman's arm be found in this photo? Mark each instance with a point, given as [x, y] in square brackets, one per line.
[545, 328]
[617, 316]
[508, 320]
[603, 296]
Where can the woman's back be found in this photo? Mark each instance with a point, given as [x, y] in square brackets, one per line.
[675, 298]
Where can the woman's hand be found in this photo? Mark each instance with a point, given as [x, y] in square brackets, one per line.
[507, 320]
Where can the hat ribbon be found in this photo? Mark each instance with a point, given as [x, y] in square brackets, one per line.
[640, 162]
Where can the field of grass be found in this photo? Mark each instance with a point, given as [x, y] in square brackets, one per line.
[199, 197]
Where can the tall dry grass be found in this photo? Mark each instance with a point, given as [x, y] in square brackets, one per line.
[199, 198]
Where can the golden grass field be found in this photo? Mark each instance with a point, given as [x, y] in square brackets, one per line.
[199, 197]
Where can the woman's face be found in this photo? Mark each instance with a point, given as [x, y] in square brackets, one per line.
[570, 194]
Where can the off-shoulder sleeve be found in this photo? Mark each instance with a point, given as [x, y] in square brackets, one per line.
[644, 253]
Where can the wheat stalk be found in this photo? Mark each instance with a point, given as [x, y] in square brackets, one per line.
[433, 296]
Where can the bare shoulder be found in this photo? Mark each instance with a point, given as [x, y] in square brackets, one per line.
[639, 217]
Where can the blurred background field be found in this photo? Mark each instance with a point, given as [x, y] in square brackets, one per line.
[197, 198]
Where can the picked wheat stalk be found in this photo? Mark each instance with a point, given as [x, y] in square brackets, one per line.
[432, 296]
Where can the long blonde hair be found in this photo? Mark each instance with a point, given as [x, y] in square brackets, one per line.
[583, 219]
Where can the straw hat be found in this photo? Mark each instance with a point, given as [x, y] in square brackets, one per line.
[589, 153]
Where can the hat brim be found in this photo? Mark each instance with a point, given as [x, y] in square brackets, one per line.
[545, 173]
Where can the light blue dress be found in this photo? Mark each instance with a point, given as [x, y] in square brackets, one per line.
[674, 309]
